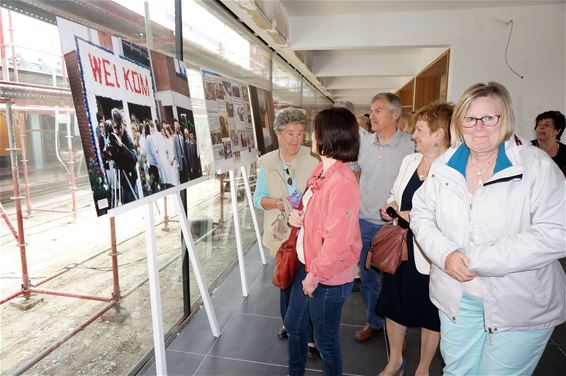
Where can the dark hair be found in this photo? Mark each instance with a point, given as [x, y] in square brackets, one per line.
[116, 116]
[337, 135]
[146, 129]
[99, 116]
[557, 118]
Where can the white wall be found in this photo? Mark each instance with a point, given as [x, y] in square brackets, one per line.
[477, 38]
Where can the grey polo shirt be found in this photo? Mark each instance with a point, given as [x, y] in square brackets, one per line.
[379, 165]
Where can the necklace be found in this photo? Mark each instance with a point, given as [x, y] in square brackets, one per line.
[422, 169]
[550, 150]
[482, 173]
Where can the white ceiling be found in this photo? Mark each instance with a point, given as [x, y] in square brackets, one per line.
[317, 37]
[298, 8]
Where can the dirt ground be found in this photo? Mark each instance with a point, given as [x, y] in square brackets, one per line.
[56, 241]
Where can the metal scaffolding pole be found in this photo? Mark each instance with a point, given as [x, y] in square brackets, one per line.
[17, 198]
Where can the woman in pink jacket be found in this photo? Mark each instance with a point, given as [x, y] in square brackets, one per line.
[328, 245]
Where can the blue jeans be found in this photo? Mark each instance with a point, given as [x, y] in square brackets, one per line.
[325, 309]
[284, 298]
[468, 349]
[371, 279]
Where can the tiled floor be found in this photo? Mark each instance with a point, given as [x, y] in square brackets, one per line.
[248, 344]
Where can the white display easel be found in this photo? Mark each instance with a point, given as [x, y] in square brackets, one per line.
[153, 266]
[234, 200]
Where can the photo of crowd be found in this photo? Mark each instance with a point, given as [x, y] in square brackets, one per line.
[132, 139]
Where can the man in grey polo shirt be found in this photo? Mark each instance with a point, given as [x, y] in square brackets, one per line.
[379, 160]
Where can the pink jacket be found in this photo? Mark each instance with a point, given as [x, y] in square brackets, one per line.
[332, 240]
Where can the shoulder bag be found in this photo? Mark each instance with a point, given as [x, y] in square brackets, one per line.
[286, 259]
[389, 245]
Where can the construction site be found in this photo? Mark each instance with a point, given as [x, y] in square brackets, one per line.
[69, 278]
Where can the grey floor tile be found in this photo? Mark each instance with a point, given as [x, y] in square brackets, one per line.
[559, 334]
[252, 338]
[366, 358]
[262, 300]
[267, 273]
[552, 362]
[179, 364]
[353, 311]
[248, 344]
[223, 366]
[197, 336]
[229, 294]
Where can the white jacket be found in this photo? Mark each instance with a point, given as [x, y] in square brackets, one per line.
[406, 171]
[513, 231]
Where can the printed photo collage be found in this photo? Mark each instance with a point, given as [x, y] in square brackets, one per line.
[230, 119]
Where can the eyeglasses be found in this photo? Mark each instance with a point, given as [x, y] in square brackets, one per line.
[487, 121]
[290, 179]
[292, 134]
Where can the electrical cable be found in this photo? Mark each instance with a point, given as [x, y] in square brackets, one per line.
[507, 47]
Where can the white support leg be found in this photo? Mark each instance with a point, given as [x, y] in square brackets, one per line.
[252, 210]
[184, 222]
[155, 293]
[236, 223]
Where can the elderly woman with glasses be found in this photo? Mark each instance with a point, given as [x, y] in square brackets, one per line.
[490, 216]
[282, 178]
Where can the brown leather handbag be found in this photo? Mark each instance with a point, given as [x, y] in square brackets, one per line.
[389, 246]
[286, 261]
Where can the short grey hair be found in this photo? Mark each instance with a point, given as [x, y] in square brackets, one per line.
[392, 99]
[287, 116]
[345, 104]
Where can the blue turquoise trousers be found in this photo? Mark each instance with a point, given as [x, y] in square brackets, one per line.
[468, 349]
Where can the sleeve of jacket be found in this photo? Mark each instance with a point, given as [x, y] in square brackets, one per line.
[543, 242]
[340, 233]
[423, 222]
[261, 189]
[126, 156]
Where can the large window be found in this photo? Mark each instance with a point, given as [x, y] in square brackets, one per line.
[69, 250]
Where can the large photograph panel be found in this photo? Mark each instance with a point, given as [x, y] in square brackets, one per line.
[230, 121]
[136, 123]
[263, 118]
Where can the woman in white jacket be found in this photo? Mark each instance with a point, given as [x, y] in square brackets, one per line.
[491, 218]
[404, 300]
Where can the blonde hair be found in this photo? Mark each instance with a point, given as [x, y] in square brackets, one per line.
[492, 90]
[409, 122]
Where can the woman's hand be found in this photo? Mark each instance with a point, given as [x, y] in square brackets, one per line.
[457, 266]
[296, 218]
[272, 203]
[383, 213]
[308, 290]
[118, 140]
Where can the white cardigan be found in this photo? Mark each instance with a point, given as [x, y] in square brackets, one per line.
[406, 171]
